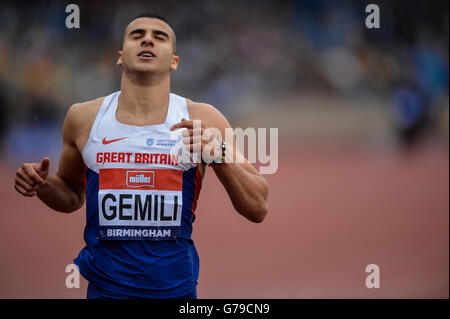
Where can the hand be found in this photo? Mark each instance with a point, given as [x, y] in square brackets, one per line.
[31, 176]
[200, 140]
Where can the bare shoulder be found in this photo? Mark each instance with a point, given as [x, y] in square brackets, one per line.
[85, 111]
[79, 120]
[207, 113]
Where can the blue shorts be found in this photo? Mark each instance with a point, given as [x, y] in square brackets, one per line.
[95, 292]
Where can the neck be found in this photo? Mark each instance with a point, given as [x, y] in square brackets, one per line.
[144, 98]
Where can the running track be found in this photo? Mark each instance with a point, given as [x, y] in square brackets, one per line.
[332, 212]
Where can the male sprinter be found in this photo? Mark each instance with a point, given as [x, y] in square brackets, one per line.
[140, 198]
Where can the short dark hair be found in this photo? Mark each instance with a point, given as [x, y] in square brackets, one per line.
[151, 15]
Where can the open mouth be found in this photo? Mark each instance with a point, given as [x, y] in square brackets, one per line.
[146, 54]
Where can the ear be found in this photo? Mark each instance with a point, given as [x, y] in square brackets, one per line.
[175, 62]
[119, 58]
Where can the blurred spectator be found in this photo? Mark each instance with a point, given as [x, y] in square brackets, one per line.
[228, 50]
[412, 109]
[3, 116]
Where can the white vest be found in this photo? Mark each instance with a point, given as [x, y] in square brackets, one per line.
[141, 180]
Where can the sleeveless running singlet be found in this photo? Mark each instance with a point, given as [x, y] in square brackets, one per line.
[140, 203]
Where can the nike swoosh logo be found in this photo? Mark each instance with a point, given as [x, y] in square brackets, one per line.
[104, 142]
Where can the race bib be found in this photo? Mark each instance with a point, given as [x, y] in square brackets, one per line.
[140, 204]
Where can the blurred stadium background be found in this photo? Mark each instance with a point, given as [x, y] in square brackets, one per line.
[363, 129]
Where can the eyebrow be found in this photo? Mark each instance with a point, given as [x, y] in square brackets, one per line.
[155, 32]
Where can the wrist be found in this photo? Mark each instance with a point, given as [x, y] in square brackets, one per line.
[222, 154]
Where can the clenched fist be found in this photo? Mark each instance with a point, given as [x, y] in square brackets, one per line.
[205, 142]
[31, 176]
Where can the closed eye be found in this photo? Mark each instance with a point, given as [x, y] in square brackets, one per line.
[137, 33]
[160, 35]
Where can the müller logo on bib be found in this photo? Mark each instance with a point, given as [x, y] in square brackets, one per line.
[140, 179]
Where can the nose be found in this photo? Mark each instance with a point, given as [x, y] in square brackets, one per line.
[147, 41]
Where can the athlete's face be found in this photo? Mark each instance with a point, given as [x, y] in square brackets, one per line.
[148, 46]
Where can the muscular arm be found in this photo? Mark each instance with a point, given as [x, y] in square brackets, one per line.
[64, 191]
[247, 189]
